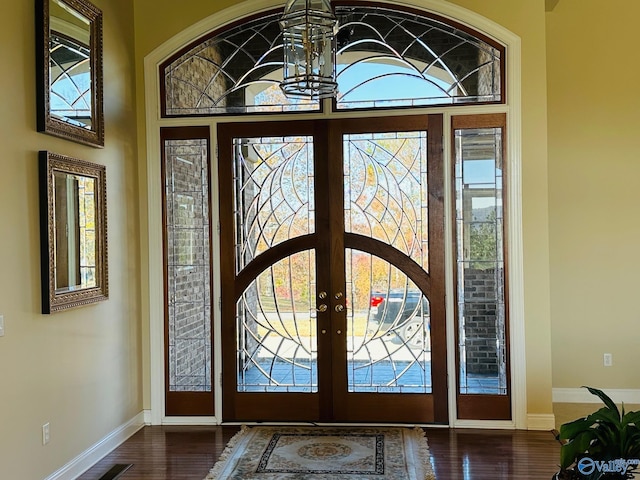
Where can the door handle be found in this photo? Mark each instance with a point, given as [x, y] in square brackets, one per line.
[339, 308]
[321, 308]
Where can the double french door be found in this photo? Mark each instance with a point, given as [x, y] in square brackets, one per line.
[332, 270]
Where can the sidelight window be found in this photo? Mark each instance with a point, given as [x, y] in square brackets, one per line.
[480, 244]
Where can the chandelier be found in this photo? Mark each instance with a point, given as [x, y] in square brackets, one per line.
[309, 33]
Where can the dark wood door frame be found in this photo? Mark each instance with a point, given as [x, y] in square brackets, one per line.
[333, 403]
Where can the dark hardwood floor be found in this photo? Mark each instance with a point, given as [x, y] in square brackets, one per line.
[181, 453]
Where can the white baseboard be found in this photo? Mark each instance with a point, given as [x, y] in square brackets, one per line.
[93, 454]
[582, 395]
[190, 421]
[541, 421]
[535, 421]
[484, 424]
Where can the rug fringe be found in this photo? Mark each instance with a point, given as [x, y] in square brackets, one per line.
[214, 473]
[424, 455]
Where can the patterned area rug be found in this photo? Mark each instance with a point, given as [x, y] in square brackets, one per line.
[327, 453]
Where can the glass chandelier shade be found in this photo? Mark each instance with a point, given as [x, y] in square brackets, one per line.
[309, 40]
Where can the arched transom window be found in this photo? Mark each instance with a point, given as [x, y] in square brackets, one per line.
[386, 58]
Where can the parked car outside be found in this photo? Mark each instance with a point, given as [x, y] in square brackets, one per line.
[400, 314]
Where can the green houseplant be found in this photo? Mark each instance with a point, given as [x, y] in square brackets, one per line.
[602, 445]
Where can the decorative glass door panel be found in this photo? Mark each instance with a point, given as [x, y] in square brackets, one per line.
[386, 190]
[386, 198]
[389, 345]
[322, 219]
[273, 193]
[275, 323]
[277, 337]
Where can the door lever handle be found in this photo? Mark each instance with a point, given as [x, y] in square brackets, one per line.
[321, 308]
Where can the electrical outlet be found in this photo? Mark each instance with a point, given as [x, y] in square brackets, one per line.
[608, 360]
[45, 434]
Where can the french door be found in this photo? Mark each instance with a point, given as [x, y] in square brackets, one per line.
[332, 270]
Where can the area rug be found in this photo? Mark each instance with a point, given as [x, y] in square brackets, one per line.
[327, 453]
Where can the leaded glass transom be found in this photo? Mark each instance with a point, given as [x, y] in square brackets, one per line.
[236, 71]
[385, 58]
[392, 58]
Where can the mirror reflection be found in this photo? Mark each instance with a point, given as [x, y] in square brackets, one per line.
[69, 68]
[69, 64]
[73, 232]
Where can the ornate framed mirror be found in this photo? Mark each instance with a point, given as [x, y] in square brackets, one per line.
[73, 232]
[69, 70]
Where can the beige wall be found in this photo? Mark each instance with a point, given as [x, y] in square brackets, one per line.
[79, 370]
[594, 167]
[82, 371]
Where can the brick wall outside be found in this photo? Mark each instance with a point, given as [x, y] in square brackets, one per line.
[482, 320]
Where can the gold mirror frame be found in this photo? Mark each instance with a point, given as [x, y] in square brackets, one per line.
[91, 130]
[85, 234]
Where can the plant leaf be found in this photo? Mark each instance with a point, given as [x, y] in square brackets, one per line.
[631, 417]
[606, 434]
[605, 398]
[571, 429]
[605, 417]
[570, 451]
